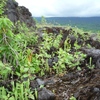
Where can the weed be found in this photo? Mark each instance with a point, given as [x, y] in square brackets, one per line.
[72, 98]
[20, 91]
[5, 70]
[90, 65]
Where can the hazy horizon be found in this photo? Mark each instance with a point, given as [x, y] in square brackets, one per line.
[67, 17]
[85, 23]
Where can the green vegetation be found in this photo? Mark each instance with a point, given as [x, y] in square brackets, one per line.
[19, 58]
[15, 59]
[19, 92]
[72, 98]
[85, 23]
[2, 7]
[43, 20]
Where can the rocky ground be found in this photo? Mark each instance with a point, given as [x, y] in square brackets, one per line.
[81, 84]
[72, 84]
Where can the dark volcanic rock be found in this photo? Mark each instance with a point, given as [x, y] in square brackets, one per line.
[98, 63]
[25, 16]
[54, 30]
[40, 82]
[52, 60]
[94, 54]
[94, 40]
[45, 94]
[18, 13]
[11, 10]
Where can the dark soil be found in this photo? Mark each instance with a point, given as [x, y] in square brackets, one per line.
[83, 85]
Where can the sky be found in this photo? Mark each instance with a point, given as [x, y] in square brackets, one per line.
[62, 8]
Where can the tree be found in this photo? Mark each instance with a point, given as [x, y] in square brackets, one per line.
[43, 20]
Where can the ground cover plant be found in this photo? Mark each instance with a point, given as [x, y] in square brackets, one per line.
[45, 52]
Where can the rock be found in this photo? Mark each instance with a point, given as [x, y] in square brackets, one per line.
[55, 59]
[94, 40]
[94, 37]
[54, 30]
[72, 39]
[34, 84]
[26, 16]
[96, 89]
[44, 94]
[52, 61]
[50, 82]
[65, 34]
[19, 13]
[11, 10]
[95, 53]
[40, 82]
[52, 50]
[98, 63]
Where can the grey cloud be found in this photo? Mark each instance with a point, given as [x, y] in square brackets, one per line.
[63, 8]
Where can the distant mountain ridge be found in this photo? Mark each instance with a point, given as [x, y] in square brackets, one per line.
[85, 23]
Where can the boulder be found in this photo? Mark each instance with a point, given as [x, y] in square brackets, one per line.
[93, 40]
[94, 54]
[19, 13]
[45, 94]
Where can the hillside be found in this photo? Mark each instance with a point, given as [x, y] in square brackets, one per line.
[86, 23]
[47, 62]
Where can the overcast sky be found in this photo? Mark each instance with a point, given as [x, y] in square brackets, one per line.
[62, 8]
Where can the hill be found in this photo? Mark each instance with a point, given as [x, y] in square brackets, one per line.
[85, 23]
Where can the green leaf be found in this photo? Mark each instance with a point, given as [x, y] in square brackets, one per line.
[19, 74]
[11, 98]
[1, 64]
[8, 68]
[25, 70]
[72, 98]
[25, 75]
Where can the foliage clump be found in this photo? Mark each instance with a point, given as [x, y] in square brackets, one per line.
[15, 59]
